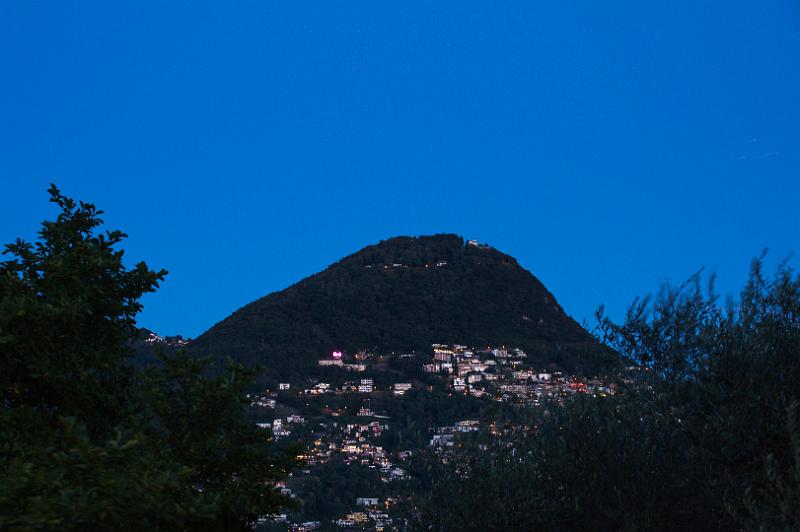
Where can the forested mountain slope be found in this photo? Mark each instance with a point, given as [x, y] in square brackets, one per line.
[403, 294]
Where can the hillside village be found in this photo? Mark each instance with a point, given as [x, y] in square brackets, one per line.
[342, 418]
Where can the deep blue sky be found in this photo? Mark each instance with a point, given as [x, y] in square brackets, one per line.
[609, 146]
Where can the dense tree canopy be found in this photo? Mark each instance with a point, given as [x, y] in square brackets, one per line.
[86, 440]
[704, 436]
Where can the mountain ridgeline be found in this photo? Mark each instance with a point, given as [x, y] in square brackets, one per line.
[400, 295]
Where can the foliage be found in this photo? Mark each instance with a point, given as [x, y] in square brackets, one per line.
[704, 435]
[330, 490]
[87, 441]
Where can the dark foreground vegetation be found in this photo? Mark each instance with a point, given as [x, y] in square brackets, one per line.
[705, 434]
[707, 437]
[88, 442]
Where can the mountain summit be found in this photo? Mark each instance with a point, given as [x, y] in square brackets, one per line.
[405, 294]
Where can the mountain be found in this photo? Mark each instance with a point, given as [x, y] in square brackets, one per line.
[405, 294]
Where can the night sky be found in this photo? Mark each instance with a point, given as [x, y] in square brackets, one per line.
[609, 146]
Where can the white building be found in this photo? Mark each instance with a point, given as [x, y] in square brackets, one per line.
[431, 368]
[442, 440]
[366, 386]
[443, 357]
[400, 388]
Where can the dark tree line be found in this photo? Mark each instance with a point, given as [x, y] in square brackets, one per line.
[703, 436]
[88, 441]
